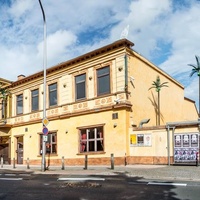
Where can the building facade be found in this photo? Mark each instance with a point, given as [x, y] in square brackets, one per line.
[96, 104]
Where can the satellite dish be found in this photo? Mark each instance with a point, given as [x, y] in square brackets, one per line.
[124, 33]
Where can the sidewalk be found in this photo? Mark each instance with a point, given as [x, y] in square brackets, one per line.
[189, 173]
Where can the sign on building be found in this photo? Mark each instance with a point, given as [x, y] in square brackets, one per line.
[141, 140]
[186, 147]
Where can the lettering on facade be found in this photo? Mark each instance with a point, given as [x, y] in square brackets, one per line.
[65, 108]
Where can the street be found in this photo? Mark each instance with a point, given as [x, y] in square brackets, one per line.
[23, 185]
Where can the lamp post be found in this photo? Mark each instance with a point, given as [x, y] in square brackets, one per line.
[43, 165]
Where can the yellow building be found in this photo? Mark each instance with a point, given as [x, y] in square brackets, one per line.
[97, 104]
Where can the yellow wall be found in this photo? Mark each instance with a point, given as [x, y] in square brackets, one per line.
[68, 135]
[137, 102]
[173, 106]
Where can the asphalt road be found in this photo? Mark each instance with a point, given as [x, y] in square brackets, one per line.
[23, 185]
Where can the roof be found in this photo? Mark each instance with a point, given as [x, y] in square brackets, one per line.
[5, 82]
[105, 49]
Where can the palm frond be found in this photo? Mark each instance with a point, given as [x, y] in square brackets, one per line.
[158, 85]
[195, 68]
[197, 59]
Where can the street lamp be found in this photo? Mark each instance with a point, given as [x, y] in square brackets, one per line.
[43, 165]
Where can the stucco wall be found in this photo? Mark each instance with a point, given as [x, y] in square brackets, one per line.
[173, 107]
[68, 136]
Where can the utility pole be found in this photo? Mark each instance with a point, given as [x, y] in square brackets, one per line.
[43, 165]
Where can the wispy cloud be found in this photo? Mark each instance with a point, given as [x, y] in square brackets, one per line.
[165, 32]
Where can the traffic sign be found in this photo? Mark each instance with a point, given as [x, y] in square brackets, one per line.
[45, 138]
[45, 121]
[45, 130]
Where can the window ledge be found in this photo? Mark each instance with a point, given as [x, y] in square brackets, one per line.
[46, 155]
[91, 153]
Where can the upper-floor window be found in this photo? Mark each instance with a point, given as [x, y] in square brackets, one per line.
[35, 100]
[103, 81]
[19, 104]
[3, 105]
[91, 139]
[53, 94]
[80, 86]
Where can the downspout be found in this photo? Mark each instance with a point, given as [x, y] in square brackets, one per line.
[168, 141]
[168, 144]
[126, 72]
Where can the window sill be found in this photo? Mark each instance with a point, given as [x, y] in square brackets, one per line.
[91, 153]
[51, 155]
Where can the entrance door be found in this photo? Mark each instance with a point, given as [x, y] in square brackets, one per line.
[4, 153]
[19, 153]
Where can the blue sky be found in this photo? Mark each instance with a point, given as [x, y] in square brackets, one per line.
[165, 32]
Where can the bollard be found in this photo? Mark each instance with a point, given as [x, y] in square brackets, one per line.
[1, 162]
[197, 159]
[28, 167]
[14, 163]
[125, 161]
[112, 161]
[63, 163]
[86, 161]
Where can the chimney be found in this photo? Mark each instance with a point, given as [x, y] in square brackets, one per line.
[20, 77]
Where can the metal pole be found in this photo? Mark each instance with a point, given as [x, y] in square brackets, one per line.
[112, 161]
[1, 162]
[14, 163]
[86, 162]
[63, 163]
[44, 88]
[168, 144]
[28, 167]
[125, 160]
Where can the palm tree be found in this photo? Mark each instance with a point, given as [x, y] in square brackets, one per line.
[4, 92]
[158, 85]
[196, 69]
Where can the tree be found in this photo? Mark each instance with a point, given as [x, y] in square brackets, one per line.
[158, 85]
[4, 93]
[196, 70]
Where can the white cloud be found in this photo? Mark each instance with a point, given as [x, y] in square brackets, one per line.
[164, 31]
[58, 45]
[19, 7]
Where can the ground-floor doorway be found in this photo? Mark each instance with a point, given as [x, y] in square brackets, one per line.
[20, 149]
[4, 153]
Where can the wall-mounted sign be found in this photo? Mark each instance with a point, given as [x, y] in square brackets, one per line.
[133, 140]
[140, 140]
[186, 146]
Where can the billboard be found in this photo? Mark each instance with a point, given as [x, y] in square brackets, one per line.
[186, 147]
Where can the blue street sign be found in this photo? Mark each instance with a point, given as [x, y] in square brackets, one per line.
[45, 130]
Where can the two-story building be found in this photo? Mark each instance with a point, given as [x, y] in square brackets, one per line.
[94, 104]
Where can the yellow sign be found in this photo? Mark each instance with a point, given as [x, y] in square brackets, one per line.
[133, 139]
[45, 121]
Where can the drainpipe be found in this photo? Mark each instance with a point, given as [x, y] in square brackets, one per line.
[168, 144]
[168, 141]
[126, 72]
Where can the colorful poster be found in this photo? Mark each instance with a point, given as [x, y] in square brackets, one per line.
[194, 140]
[186, 147]
[186, 141]
[177, 140]
[147, 140]
[140, 139]
[133, 139]
[185, 154]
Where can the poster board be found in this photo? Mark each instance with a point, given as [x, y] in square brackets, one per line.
[186, 147]
[141, 140]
